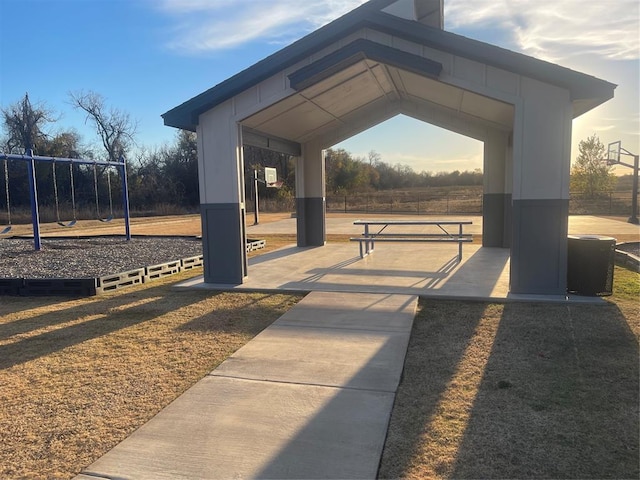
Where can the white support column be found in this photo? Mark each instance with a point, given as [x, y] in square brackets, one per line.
[541, 164]
[310, 195]
[494, 198]
[221, 176]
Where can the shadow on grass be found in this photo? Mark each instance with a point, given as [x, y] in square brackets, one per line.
[105, 316]
[559, 397]
[10, 304]
[440, 336]
[248, 320]
[552, 392]
[35, 321]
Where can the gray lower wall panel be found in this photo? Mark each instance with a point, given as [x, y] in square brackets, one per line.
[508, 220]
[539, 247]
[493, 205]
[311, 222]
[223, 243]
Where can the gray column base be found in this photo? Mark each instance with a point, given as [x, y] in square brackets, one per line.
[496, 220]
[493, 205]
[224, 243]
[310, 215]
[508, 221]
[539, 247]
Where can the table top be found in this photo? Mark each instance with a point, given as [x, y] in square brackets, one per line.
[412, 222]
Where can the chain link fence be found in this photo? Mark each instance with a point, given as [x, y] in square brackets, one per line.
[614, 203]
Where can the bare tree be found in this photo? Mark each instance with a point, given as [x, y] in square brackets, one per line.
[114, 127]
[24, 124]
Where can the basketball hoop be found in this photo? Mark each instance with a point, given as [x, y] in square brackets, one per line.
[613, 153]
[276, 184]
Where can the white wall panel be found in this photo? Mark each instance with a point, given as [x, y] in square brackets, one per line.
[503, 81]
[220, 156]
[543, 156]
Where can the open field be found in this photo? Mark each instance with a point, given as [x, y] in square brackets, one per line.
[190, 225]
[489, 390]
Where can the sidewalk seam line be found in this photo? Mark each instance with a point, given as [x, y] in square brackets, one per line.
[337, 387]
[275, 325]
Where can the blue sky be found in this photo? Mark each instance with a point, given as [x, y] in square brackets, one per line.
[147, 56]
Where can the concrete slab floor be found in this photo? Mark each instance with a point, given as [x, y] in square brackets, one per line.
[392, 268]
[428, 271]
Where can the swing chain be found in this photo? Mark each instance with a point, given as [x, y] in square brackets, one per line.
[95, 184]
[55, 190]
[73, 192]
[6, 190]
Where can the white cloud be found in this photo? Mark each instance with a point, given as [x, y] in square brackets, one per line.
[555, 29]
[548, 29]
[206, 25]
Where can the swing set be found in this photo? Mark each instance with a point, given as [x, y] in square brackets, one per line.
[8, 227]
[73, 196]
[31, 160]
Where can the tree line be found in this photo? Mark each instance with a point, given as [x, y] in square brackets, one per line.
[164, 175]
[168, 175]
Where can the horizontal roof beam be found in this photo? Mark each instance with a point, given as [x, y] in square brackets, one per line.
[254, 138]
[355, 52]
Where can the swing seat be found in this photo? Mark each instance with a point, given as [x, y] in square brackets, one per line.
[7, 229]
[68, 224]
[105, 220]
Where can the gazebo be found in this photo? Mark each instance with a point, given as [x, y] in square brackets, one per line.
[385, 58]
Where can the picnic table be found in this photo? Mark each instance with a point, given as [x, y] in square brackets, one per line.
[387, 231]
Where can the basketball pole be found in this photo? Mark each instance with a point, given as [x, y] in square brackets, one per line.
[634, 194]
[256, 218]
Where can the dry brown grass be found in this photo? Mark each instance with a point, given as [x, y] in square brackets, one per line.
[78, 376]
[520, 391]
[489, 391]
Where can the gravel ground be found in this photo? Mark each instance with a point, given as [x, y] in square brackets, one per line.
[91, 257]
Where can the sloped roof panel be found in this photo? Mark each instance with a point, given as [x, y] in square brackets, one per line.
[587, 91]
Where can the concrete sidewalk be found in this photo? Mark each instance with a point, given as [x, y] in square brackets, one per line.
[309, 397]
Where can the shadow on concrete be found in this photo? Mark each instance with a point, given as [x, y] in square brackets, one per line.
[335, 278]
[278, 254]
[340, 269]
[482, 272]
[338, 430]
[559, 397]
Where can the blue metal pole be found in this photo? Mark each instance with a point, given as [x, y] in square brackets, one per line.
[33, 195]
[38, 158]
[125, 199]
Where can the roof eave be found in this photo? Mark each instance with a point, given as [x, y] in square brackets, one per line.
[185, 116]
[585, 89]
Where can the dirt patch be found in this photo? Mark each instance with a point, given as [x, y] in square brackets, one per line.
[166, 225]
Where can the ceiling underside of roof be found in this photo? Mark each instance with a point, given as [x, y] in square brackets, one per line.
[369, 92]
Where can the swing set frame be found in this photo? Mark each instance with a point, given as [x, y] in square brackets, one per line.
[31, 160]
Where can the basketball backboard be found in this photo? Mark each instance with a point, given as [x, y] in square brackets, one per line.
[270, 176]
[613, 152]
